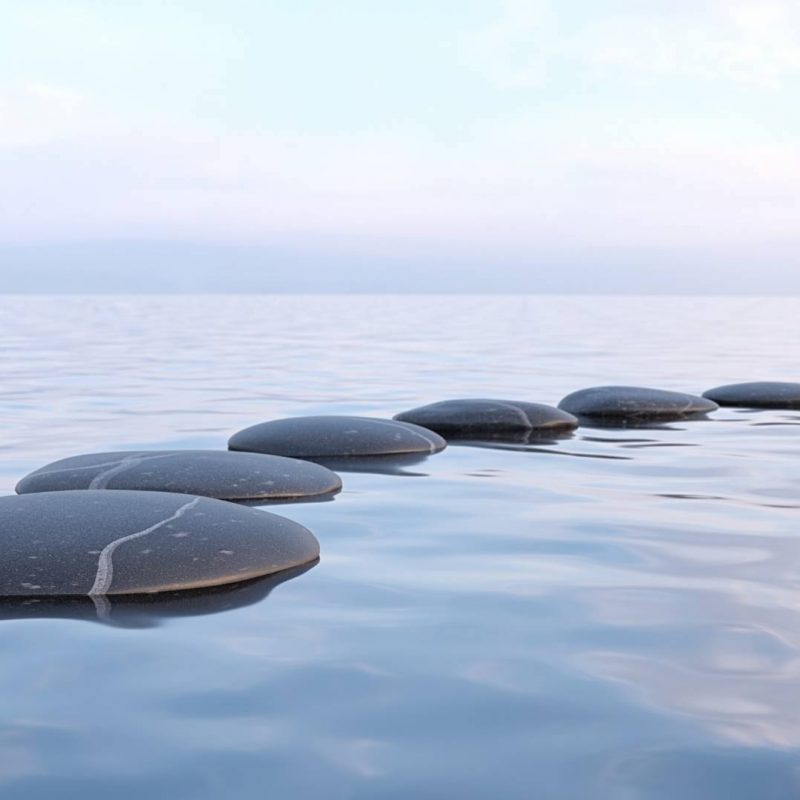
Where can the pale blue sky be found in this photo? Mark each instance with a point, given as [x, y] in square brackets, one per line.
[515, 138]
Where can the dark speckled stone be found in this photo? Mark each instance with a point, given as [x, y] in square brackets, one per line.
[761, 394]
[100, 543]
[336, 437]
[210, 473]
[489, 417]
[623, 404]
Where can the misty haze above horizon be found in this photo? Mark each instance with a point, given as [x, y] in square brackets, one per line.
[459, 146]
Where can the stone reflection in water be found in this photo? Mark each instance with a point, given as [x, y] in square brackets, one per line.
[377, 465]
[599, 424]
[149, 610]
[533, 444]
[487, 439]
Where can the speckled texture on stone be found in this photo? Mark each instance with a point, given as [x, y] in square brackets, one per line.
[477, 416]
[100, 543]
[758, 394]
[336, 437]
[634, 404]
[210, 473]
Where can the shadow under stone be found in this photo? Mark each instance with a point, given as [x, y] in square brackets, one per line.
[267, 503]
[377, 465]
[149, 610]
[596, 423]
[502, 440]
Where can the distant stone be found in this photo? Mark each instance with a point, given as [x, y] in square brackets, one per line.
[470, 417]
[760, 394]
[336, 437]
[623, 404]
[98, 543]
[210, 473]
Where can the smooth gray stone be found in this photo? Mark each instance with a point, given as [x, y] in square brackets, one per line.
[759, 394]
[336, 437]
[210, 473]
[98, 543]
[634, 404]
[489, 417]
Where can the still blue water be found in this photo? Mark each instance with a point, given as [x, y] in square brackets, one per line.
[616, 615]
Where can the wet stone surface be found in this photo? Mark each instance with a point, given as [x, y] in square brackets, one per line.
[336, 437]
[210, 473]
[477, 417]
[100, 543]
[625, 404]
[758, 394]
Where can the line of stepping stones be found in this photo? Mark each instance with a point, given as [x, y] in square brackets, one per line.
[166, 526]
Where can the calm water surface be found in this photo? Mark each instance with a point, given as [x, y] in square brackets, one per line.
[616, 615]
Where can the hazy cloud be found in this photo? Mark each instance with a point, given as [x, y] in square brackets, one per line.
[668, 126]
[749, 41]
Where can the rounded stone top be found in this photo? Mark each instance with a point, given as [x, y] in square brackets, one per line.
[336, 437]
[100, 543]
[634, 404]
[758, 394]
[210, 473]
[479, 416]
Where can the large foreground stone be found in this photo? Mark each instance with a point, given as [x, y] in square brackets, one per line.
[336, 437]
[101, 543]
[210, 473]
[478, 417]
[759, 394]
[622, 404]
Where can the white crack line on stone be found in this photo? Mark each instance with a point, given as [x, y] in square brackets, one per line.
[101, 481]
[130, 458]
[402, 426]
[516, 410]
[105, 565]
[76, 469]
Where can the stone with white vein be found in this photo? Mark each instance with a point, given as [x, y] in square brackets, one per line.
[634, 404]
[479, 417]
[97, 543]
[209, 473]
